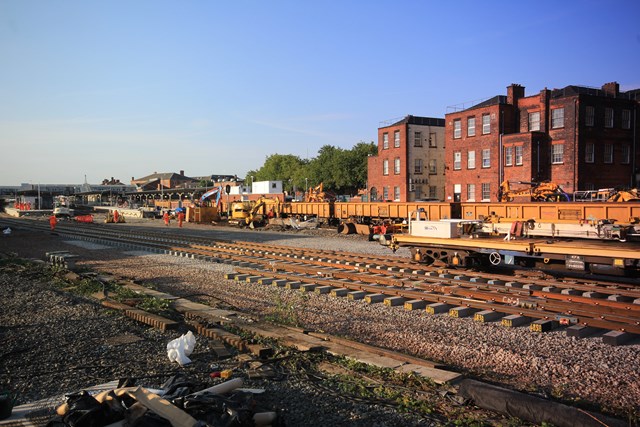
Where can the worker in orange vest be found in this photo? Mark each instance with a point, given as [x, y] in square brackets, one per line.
[52, 222]
[165, 217]
[116, 216]
[180, 218]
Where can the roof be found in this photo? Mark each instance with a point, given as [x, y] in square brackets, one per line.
[413, 120]
[164, 176]
[573, 90]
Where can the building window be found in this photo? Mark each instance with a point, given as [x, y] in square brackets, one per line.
[396, 139]
[590, 152]
[626, 154]
[433, 167]
[385, 167]
[471, 159]
[457, 160]
[417, 167]
[486, 191]
[396, 193]
[432, 140]
[457, 129]
[608, 153]
[589, 115]
[557, 153]
[471, 192]
[557, 118]
[471, 126]
[486, 158]
[486, 124]
[508, 156]
[418, 191]
[417, 139]
[534, 121]
[433, 192]
[396, 166]
[385, 141]
[626, 119]
[518, 155]
[608, 117]
[385, 193]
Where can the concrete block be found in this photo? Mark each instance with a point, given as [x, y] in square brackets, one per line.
[323, 289]
[543, 325]
[341, 292]
[394, 301]
[293, 285]
[356, 295]
[513, 285]
[309, 287]
[581, 331]
[416, 304]
[571, 292]
[438, 307]
[461, 312]
[374, 298]
[617, 337]
[515, 320]
[487, 316]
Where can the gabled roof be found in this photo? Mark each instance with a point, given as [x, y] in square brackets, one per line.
[164, 176]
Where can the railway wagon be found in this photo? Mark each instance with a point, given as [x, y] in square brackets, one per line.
[393, 211]
[623, 213]
[308, 209]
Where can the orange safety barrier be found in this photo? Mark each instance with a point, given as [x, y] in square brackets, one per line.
[84, 218]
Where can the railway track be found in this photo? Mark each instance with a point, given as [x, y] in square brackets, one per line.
[544, 303]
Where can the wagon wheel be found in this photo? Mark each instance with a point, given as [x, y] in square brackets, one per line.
[495, 258]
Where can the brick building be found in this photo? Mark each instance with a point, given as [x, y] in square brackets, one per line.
[580, 138]
[410, 161]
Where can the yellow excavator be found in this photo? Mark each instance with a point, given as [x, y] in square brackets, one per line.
[537, 192]
[624, 196]
[317, 194]
[254, 213]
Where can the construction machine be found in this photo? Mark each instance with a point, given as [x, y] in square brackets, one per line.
[537, 191]
[632, 195]
[317, 194]
[254, 213]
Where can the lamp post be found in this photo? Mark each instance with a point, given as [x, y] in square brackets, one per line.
[306, 185]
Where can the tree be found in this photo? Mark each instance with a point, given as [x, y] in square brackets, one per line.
[280, 167]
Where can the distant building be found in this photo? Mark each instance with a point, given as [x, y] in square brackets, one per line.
[409, 165]
[578, 137]
[168, 180]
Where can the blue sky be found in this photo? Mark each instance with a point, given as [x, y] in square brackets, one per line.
[126, 88]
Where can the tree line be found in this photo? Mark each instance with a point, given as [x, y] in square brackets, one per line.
[341, 171]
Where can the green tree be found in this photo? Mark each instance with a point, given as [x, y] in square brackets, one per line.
[279, 167]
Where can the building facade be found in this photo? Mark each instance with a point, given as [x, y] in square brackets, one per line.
[409, 165]
[577, 137]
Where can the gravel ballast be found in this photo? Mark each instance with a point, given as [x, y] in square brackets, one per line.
[549, 364]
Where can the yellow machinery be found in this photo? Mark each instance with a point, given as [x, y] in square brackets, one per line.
[254, 213]
[624, 196]
[538, 191]
[317, 194]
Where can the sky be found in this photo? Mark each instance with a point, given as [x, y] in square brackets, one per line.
[99, 89]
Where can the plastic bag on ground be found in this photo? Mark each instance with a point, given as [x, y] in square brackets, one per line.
[179, 349]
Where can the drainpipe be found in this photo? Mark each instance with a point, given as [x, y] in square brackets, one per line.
[634, 181]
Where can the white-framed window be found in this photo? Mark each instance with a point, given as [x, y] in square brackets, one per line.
[385, 141]
[433, 167]
[457, 129]
[626, 154]
[486, 124]
[471, 192]
[432, 140]
[508, 156]
[385, 193]
[417, 166]
[557, 153]
[396, 139]
[396, 193]
[486, 191]
[486, 158]
[385, 167]
[590, 152]
[457, 160]
[534, 121]
[626, 119]
[417, 139]
[557, 118]
[396, 166]
[608, 117]
[433, 192]
[471, 126]
[518, 155]
[471, 159]
[589, 115]
[608, 153]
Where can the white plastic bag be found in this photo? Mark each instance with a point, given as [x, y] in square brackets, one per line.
[179, 349]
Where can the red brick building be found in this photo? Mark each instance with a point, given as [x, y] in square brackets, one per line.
[580, 138]
[410, 161]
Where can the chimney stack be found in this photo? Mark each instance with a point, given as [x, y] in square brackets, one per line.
[182, 172]
[612, 88]
[514, 93]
